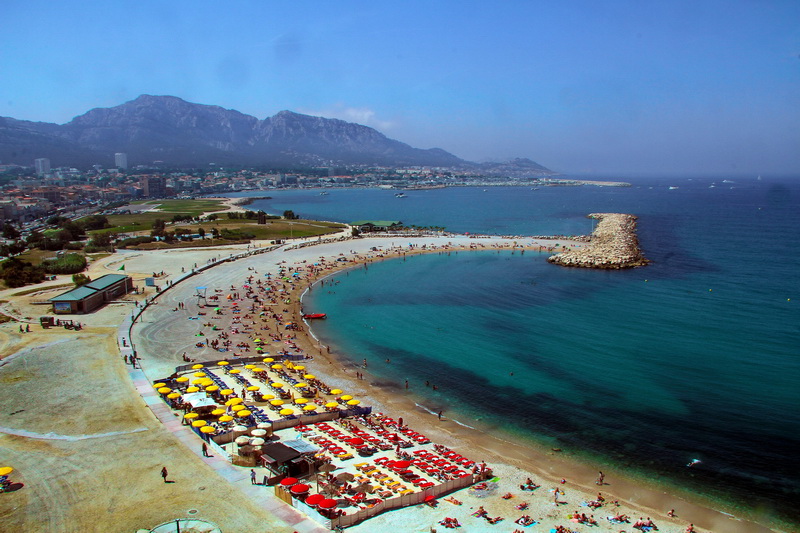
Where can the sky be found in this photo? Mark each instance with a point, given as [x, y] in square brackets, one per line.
[604, 88]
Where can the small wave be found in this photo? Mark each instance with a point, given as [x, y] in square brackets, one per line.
[431, 411]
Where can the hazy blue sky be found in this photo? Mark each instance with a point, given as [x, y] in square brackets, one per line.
[603, 87]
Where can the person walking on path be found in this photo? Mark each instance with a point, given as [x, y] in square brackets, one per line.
[253, 477]
[164, 473]
[205, 450]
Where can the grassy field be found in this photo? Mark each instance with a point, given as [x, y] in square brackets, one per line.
[185, 207]
[165, 211]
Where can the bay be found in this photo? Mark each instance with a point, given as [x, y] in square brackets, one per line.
[693, 357]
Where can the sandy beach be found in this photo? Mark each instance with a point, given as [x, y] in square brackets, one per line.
[110, 436]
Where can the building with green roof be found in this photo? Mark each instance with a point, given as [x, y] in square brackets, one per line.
[92, 295]
[367, 226]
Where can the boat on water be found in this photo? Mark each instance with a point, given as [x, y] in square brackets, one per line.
[400, 195]
[323, 193]
[315, 315]
[672, 188]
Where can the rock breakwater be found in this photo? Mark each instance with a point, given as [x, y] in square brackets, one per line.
[613, 245]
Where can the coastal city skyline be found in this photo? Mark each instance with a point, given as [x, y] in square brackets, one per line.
[617, 90]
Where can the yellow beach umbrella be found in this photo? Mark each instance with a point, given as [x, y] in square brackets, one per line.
[253, 388]
[223, 363]
[164, 390]
[309, 376]
[353, 402]
[159, 385]
[193, 389]
[190, 415]
[225, 418]
[336, 391]
[226, 392]
[289, 365]
[301, 401]
[301, 385]
[218, 412]
[207, 429]
[276, 366]
[6, 470]
[257, 340]
[243, 413]
[347, 397]
[299, 367]
[207, 382]
[198, 423]
[237, 407]
[268, 360]
[199, 374]
[182, 379]
[212, 388]
[309, 407]
[266, 397]
[173, 395]
[286, 412]
[198, 366]
[197, 381]
[258, 369]
[234, 401]
[277, 385]
[235, 371]
[331, 405]
[276, 402]
[248, 367]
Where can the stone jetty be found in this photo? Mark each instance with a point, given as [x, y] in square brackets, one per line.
[613, 245]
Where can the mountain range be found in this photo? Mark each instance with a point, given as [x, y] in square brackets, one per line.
[179, 133]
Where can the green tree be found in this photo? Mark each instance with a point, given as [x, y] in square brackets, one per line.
[289, 215]
[9, 231]
[202, 232]
[95, 222]
[80, 279]
[17, 273]
[159, 226]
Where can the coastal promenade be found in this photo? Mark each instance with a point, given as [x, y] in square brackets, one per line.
[613, 245]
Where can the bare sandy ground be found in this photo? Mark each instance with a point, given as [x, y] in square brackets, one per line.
[89, 450]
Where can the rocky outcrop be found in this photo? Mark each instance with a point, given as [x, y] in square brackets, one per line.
[613, 245]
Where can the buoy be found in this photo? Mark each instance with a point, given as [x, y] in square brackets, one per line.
[709, 290]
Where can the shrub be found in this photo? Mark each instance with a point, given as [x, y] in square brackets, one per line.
[68, 264]
[134, 241]
[17, 273]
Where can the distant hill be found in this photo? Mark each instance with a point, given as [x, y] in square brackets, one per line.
[180, 133]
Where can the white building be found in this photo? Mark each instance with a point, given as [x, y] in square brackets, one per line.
[121, 160]
[42, 166]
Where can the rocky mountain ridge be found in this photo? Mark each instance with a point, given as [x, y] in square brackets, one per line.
[179, 133]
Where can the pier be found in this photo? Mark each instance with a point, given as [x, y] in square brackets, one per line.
[613, 245]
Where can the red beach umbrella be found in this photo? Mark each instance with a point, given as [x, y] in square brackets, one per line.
[288, 481]
[300, 488]
[327, 503]
[314, 499]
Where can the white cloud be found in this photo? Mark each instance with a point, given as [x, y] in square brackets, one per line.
[359, 115]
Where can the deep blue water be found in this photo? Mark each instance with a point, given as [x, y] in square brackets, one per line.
[694, 356]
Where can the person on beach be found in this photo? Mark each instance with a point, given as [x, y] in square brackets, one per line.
[253, 477]
[205, 450]
[600, 479]
[164, 473]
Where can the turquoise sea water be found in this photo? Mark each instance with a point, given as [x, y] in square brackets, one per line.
[694, 356]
